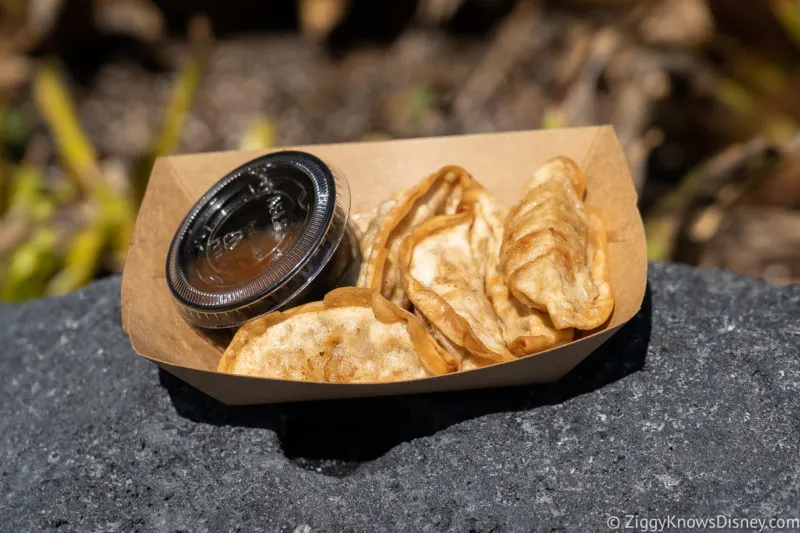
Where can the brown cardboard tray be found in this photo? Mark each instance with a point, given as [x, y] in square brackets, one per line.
[502, 162]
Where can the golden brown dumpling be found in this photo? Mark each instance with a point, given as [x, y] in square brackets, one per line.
[444, 280]
[525, 330]
[554, 255]
[368, 234]
[438, 194]
[353, 336]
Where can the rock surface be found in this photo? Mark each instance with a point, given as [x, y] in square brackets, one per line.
[692, 410]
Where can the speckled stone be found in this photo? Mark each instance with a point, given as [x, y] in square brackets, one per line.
[691, 410]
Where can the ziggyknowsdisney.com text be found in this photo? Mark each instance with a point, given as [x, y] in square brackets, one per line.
[672, 522]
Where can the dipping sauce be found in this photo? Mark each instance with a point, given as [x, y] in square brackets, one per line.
[271, 234]
[244, 257]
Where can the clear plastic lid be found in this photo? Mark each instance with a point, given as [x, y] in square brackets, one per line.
[260, 239]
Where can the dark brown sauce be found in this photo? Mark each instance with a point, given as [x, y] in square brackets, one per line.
[224, 267]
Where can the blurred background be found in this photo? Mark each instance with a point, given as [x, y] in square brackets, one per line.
[704, 96]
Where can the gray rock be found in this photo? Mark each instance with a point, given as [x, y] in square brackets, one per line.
[691, 410]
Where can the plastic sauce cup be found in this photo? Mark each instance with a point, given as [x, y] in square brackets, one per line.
[271, 234]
